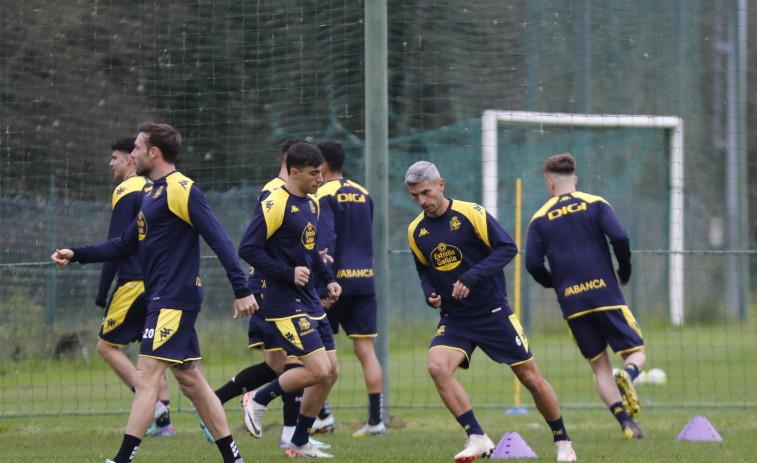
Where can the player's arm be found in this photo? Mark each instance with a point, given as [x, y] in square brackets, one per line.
[252, 249]
[503, 250]
[124, 211]
[621, 245]
[113, 249]
[535, 257]
[211, 230]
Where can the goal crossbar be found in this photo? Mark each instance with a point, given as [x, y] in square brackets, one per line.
[673, 126]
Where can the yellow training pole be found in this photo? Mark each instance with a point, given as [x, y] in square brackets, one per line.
[517, 409]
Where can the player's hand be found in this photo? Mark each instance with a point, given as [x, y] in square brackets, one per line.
[301, 276]
[245, 306]
[435, 300]
[334, 291]
[326, 303]
[327, 259]
[62, 257]
[459, 290]
[622, 283]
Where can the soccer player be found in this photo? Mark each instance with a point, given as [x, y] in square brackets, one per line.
[262, 337]
[281, 242]
[173, 215]
[126, 310]
[459, 252]
[572, 230]
[345, 229]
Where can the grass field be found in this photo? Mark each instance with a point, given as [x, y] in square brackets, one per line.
[429, 435]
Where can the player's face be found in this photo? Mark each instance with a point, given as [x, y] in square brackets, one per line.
[141, 155]
[121, 164]
[309, 178]
[430, 197]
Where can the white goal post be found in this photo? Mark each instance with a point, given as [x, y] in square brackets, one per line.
[671, 124]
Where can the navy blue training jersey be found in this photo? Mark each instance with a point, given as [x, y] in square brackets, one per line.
[256, 279]
[125, 203]
[465, 243]
[345, 228]
[173, 215]
[282, 235]
[571, 231]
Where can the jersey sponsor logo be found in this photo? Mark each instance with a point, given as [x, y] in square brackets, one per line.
[308, 236]
[354, 273]
[565, 210]
[294, 209]
[350, 198]
[446, 257]
[141, 226]
[423, 232]
[454, 223]
[585, 286]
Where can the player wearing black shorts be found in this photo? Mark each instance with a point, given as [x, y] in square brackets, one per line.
[571, 230]
[459, 252]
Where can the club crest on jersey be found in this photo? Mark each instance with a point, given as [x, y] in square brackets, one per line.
[141, 226]
[446, 257]
[454, 223]
[304, 324]
[308, 236]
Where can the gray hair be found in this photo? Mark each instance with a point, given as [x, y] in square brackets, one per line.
[420, 172]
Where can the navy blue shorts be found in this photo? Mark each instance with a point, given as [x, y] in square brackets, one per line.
[169, 334]
[499, 335]
[593, 330]
[301, 335]
[125, 315]
[356, 314]
[261, 334]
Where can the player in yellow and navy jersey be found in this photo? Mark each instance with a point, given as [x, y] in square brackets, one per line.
[281, 242]
[571, 230]
[345, 229]
[173, 215]
[126, 311]
[460, 251]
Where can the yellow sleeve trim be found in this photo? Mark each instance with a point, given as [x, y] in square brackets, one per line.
[274, 208]
[128, 186]
[476, 215]
[177, 189]
[411, 239]
[328, 189]
[359, 187]
[544, 209]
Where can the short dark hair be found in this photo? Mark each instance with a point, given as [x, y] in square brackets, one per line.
[304, 154]
[125, 145]
[164, 137]
[288, 144]
[333, 153]
[561, 164]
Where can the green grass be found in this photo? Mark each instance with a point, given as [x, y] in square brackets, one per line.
[423, 435]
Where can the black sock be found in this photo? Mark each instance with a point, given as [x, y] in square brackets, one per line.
[129, 447]
[619, 412]
[291, 400]
[228, 449]
[632, 370]
[325, 411]
[246, 380]
[374, 408]
[558, 430]
[166, 420]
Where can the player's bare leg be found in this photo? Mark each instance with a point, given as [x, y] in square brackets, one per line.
[118, 361]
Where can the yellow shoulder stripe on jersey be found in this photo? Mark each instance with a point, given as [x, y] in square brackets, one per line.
[588, 198]
[545, 208]
[273, 184]
[359, 187]
[410, 232]
[129, 185]
[476, 215]
[177, 190]
[328, 189]
[274, 208]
